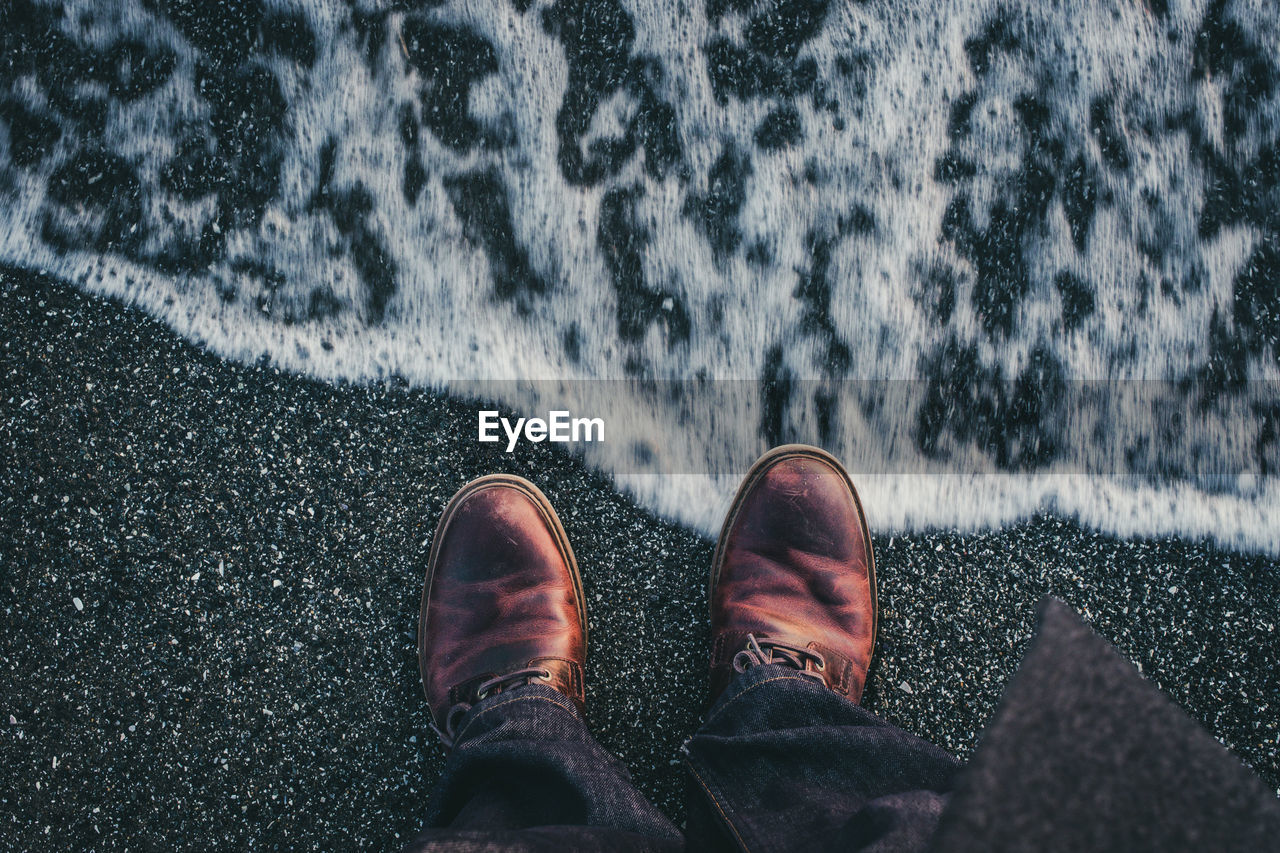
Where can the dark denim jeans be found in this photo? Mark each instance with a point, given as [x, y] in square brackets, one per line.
[781, 763]
[1083, 754]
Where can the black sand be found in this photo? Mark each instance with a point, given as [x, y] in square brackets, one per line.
[247, 549]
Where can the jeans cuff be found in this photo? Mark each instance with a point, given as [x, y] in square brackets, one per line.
[508, 703]
[768, 677]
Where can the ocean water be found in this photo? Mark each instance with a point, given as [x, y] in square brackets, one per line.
[1001, 260]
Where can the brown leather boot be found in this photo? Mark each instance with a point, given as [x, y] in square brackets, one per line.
[502, 603]
[793, 580]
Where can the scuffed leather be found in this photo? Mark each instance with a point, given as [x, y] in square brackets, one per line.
[794, 564]
[501, 594]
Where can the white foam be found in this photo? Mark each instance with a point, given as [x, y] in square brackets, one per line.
[444, 325]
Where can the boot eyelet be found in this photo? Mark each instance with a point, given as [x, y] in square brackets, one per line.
[822, 665]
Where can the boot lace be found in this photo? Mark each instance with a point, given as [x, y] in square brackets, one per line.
[759, 652]
[497, 684]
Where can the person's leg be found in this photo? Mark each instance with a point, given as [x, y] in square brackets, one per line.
[784, 763]
[787, 760]
[502, 646]
[524, 760]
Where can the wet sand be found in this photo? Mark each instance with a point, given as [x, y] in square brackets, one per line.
[211, 573]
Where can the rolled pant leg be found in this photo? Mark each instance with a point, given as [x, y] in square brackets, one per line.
[783, 763]
[525, 774]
